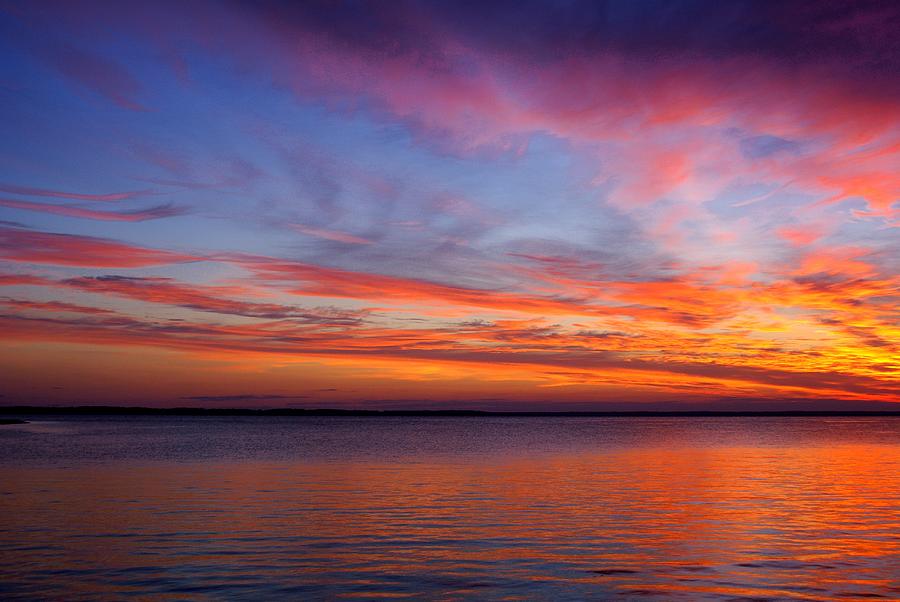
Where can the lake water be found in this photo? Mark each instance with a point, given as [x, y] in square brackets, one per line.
[450, 508]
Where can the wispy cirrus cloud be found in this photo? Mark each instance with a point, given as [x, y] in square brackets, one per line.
[78, 196]
[49, 306]
[334, 235]
[99, 74]
[28, 246]
[208, 299]
[133, 215]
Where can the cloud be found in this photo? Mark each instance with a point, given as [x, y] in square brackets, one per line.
[99, 74]
[134, 215]
[334, 235]
[669, 373]
[50, 306]
[243, 397]
[22, 279]
[209, 299]
[50, 248]
[78, 196]
[757, 147]
[801, 235]
[314, 280]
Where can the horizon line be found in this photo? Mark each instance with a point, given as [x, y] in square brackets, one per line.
[197, 411]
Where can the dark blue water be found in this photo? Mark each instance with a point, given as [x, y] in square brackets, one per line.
[450, 508]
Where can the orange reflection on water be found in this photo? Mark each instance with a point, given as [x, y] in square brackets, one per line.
[669, 520]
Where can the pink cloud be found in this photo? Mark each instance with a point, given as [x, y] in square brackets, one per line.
[801, 235]
[79, 196]
[28, 246]
[53, 306]
[334, 235]
[136, 215]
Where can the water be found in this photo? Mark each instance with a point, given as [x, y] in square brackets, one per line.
[450, 508]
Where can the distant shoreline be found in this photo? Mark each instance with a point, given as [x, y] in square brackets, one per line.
[145, 411]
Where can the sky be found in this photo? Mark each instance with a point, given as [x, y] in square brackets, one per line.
[501, 205]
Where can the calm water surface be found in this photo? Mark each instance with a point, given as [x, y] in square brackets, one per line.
[450, 508]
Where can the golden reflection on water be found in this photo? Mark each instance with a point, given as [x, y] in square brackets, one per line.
[817, 522]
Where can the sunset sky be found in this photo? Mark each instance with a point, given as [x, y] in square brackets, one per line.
[501, 205]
